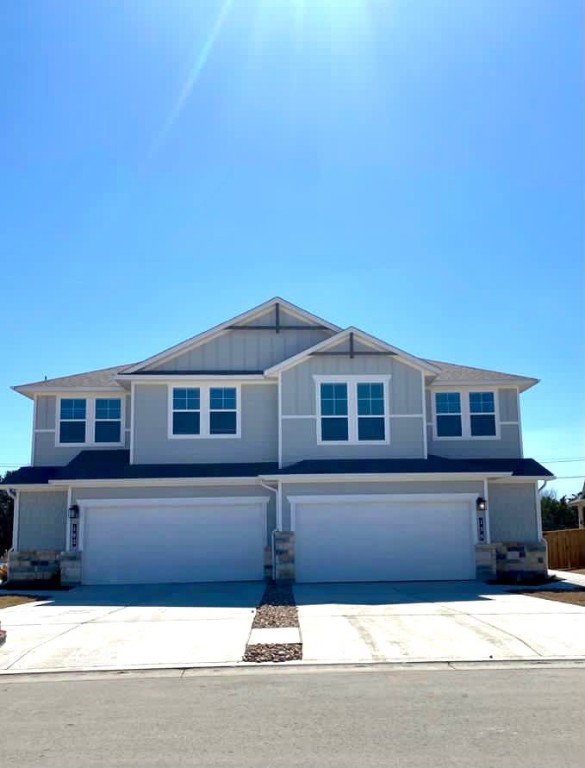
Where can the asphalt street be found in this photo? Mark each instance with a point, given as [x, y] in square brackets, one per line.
[259, 717]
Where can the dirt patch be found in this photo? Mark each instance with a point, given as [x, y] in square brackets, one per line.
[264, 652]
[9, 601]
[277, 608]
[573, 596]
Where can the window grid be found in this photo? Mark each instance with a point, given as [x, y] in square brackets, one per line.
[352, 412]
[203, 412]
[89, 421]
[186, 417]
[108, 420]
[465, 415]
[222, 411]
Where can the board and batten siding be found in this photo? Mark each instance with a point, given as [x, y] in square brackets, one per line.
[184, 492]
[42, 520]
[259, 430]
[513, 513]
[365, 487]
[45, 452]
[248, 350]
[507, 446]
[299, 401]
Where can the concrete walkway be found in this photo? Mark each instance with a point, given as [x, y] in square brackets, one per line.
[439, 621]
[128, 627]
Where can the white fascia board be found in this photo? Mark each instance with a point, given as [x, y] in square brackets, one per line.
[145, 378]
[521, 384]
[154, 481]
[31, 390]
[386, 477]
[206, 336]
[404, 357]
[523, 479]
[28, 487]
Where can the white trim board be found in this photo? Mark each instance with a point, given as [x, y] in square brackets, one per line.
[361, 336]
[387, 477]
[217, 330]
[152, 482]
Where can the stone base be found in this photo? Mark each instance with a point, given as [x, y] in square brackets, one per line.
[70, 568]
[284, 555]
[512, 561]
[34, 565]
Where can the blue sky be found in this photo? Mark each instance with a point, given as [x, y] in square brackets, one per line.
[411, 168]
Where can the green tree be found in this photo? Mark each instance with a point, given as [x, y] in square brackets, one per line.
[556, 513]
[6, 517]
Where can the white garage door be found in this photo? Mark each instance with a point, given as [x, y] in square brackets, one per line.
[384, 538]
[154, 541]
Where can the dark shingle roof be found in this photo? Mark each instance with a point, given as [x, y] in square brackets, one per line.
[434, 464]
[115, 465]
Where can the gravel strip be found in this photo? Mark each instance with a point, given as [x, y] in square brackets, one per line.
[277, 608]
[274, 652]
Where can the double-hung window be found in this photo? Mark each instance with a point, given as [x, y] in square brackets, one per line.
[108, 420]
[186, 411]
[72, 420]
[482, 414]
[465, 414]
[222, 411]
[352, 411]
[448, 409]
[204, 411]
[334, 412]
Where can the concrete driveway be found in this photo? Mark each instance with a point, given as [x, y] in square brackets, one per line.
[438, 621]
[127, 627]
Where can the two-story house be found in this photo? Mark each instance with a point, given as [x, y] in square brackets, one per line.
[277, 443]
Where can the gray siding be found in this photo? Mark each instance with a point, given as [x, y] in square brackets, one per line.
[42, 519]
[247, 350]
[508, 401]
[299, 399]
[512, 511]
[45, 452]
[259, 433]
[299, 441]
[181, 492]
[507, 447]
[316, 488]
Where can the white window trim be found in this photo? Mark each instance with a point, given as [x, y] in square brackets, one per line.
[352, 415]
[204, 410]
[463, 393]
[90, 420]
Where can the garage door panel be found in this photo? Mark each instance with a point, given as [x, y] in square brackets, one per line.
[383, 541]
[144, 544]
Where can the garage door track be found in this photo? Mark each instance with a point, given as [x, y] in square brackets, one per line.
[126, 627]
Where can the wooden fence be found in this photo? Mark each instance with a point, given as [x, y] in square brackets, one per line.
[566, 549]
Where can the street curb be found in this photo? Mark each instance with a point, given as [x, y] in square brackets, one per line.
[294, 666]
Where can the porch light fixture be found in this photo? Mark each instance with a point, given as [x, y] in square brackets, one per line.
[73, 511]
[480, 504]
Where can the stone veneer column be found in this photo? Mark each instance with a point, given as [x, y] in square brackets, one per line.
[70, 568]
[284, 555]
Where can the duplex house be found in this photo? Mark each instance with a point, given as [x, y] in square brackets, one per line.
[277, 444]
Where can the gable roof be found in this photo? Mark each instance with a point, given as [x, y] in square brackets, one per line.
[416, 362]
[206, 336]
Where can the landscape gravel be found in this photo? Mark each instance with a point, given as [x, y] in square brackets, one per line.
[274, 652]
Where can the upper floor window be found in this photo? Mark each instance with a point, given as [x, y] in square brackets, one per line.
[108, 420]
[186, 411]
[89, 421]
[204, 411]
[72, 420]
[465, 415]
[482, 414]
[448, 407]
[352, 411]
[222, 411]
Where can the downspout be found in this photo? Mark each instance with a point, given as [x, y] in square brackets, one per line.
[14, 496]
[539, 508]
[276, 501]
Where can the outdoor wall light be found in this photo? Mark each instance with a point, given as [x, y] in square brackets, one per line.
[480, 504]
[73, 511]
